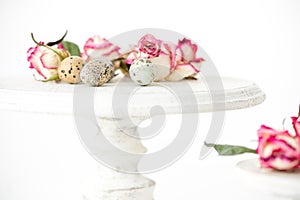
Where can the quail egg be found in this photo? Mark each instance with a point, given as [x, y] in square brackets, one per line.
[69, 69]
[97, 72]
[142, 71]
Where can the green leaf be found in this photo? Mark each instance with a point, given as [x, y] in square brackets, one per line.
[58, 41]
[71, 47]
[228, 150]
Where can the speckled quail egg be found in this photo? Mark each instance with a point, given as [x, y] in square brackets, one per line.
[142, 71]
[97, 57]
[69, 69]
[97, 72]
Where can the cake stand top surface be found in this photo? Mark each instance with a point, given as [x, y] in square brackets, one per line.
[188, 96]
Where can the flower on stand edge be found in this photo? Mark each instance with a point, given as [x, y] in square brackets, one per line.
[100, 47]
[46, 58]
[174, 62]
[277, 149]
[45, 61]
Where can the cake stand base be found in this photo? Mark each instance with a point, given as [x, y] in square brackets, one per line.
[111, 185]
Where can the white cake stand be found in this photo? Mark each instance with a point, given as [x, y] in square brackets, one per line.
[21, 95]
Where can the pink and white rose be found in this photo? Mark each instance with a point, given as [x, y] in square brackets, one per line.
[45, 61]
[100, 47]
[173, 61]
[279, 150]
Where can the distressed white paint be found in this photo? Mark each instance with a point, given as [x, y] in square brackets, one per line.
[19, 94]
[26, 94]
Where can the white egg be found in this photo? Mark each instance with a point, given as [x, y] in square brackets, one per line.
[142, 71]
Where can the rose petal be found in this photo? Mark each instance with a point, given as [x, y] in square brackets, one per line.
[162, 64]
[279, 145]
[296, 125]
[30, 52]
[132, 55]
[266, 131]
[100, 47]
[97, 42]
[50, 60]
[186, 50]
[291, 141]
[171, 51]
[284, 164]
[44, 61]
[280, 163]
[182, 71]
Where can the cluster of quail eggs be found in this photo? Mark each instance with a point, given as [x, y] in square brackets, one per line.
[98, 71]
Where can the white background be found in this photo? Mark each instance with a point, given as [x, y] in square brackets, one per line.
[257, 40]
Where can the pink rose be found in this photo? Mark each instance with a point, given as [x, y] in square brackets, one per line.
[173, 62]
[149, 45]
[279, 150]
[45, 61]
[184, 61]
[100, 47]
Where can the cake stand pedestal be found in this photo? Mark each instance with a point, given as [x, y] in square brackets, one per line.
[111, 182]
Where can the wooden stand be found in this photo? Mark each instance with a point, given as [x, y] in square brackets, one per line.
[27, 95]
